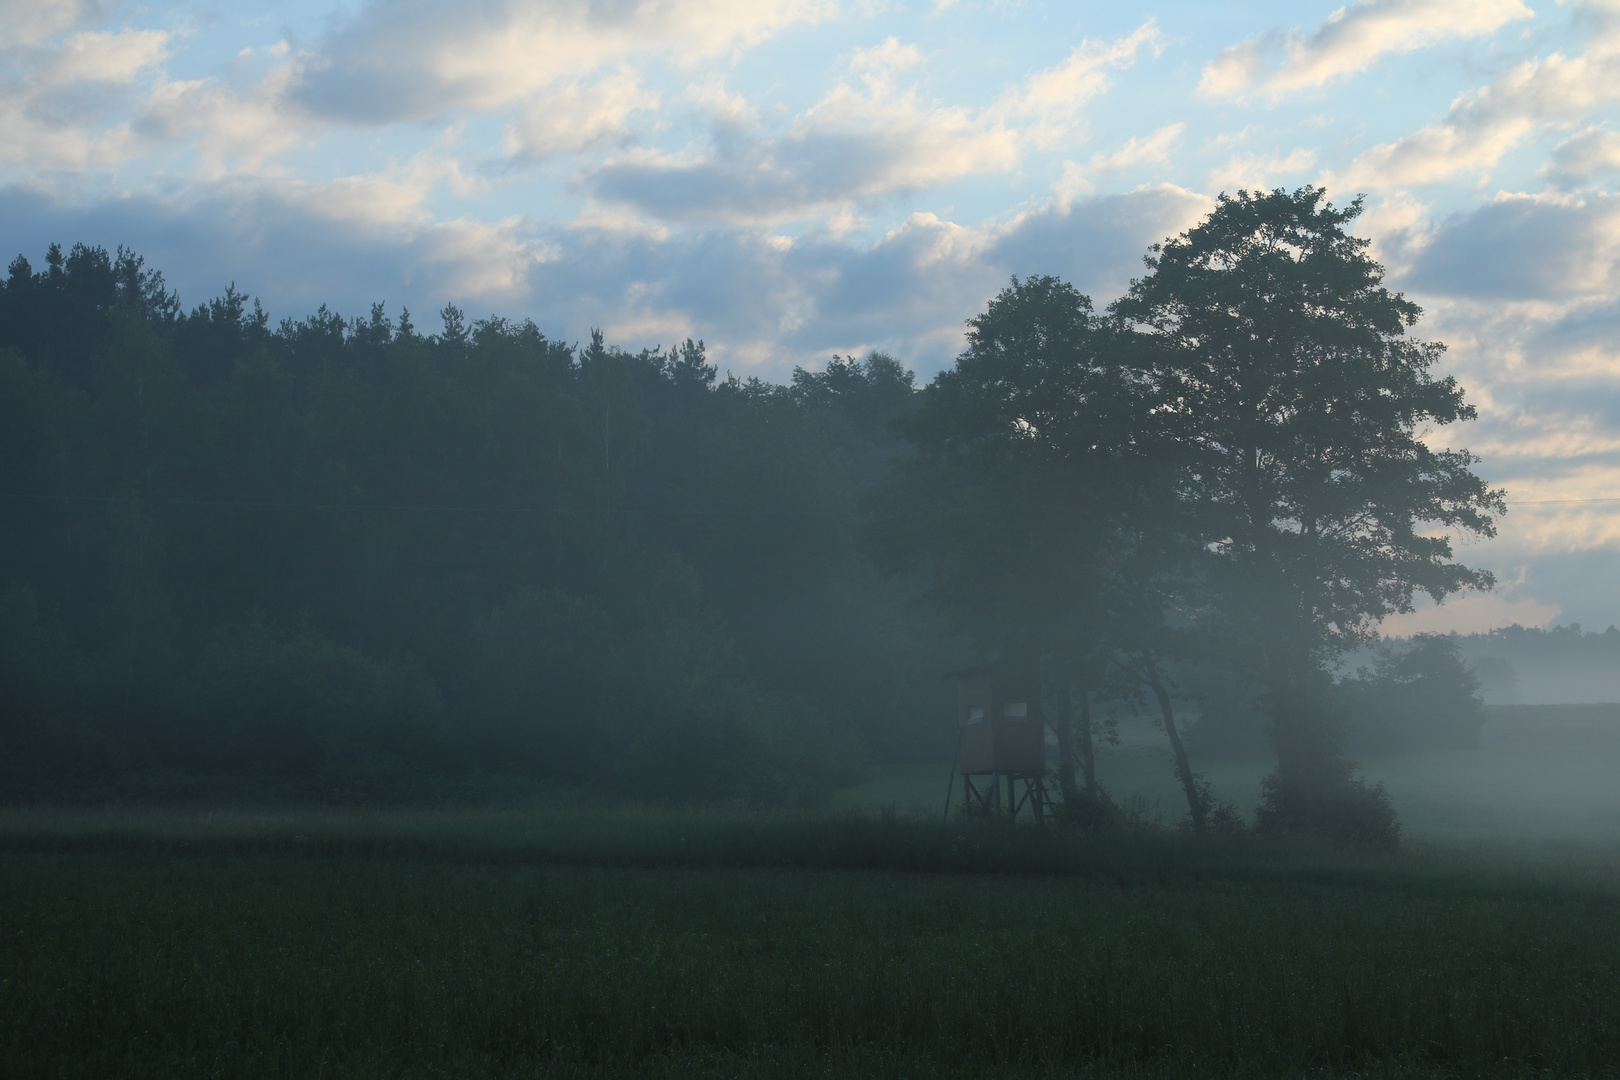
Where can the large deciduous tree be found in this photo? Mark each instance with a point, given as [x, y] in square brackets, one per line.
[1301, 412]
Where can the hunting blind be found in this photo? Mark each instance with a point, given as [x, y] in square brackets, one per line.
[1002, 740]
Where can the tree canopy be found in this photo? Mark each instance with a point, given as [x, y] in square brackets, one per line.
[1285, 374]
[1301, 410]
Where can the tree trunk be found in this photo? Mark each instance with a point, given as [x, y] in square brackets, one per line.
[1063, 727]
[1088, 755]
[1195, 805]
[1311, 766]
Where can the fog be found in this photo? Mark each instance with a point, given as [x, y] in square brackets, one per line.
[1538, 773]
[1561, 666]
[1540, 768]
[1540, 779]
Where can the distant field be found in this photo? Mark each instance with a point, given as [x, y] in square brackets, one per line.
[1541, 772]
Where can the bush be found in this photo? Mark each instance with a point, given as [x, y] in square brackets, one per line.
[1345, 810]
[1314, 790]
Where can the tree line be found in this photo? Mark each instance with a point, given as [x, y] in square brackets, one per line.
[1560, 664]
[344, 558]
[346, 554]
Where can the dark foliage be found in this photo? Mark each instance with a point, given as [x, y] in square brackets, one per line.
[342, 551]
[347, 558]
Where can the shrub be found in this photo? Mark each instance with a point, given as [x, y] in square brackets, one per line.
[1314, 790]
[1345, 809]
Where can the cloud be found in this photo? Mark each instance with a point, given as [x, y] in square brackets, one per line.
[103, 56]
[1523, 248]
[1348, 42]
[886, 59]
[1473, 613]
[1585, 583]
[1577, 160]
[25, 23]
[1097, 244]
[1522, 290]
[1256, 172]
[296, 244]
[1055, 98]
[762, 304]
[1482, 126]
[1400, 227]
[233, 126]
[409, 60]
[867, 139]
[858, 143]
[1151, 149]
[51, 121]
[422, 59]
[91, 101]
[851, 152]
[571, 118]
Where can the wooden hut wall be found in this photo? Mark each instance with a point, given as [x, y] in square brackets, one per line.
[992, 740]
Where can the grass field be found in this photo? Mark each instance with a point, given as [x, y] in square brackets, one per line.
[539, 942]
[640, 944]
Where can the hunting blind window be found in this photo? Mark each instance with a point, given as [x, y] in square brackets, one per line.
[976, 714]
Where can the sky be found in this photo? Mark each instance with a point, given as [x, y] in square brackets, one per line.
[790, 179]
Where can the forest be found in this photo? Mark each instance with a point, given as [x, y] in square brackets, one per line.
[343, 558]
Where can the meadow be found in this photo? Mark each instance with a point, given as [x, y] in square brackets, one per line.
[544, 941]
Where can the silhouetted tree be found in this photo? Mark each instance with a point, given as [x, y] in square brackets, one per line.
[1285, 376]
